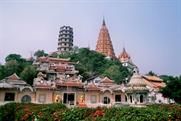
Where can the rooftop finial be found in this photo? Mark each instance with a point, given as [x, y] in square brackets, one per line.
[103, 22]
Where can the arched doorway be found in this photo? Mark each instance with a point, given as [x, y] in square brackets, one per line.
[131, 99]
[26, 99]
[125, 98]
[106, 100]
[141, 98]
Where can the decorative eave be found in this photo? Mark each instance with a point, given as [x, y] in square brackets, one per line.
[136, 89]
[70, 84]
[43, 87]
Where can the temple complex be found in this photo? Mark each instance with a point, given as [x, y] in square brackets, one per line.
[57, 82]
[104, 44]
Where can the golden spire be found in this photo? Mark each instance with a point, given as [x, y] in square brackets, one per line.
[104, 44]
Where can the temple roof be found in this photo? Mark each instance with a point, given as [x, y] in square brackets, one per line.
[50, 59]
[153, 78]
[104, 44]
[13, 77]
[154, 82]
[124, 56]
[92, 87]
[136, 80]
[13, 81]
[106, 80]
[136, 83]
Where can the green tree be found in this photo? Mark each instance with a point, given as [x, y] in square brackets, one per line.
[40, 53]
[28, 74]
[14, 64]
[173, 88]
[16, 57]
[2, 72]
[151, 73]
[11, 66]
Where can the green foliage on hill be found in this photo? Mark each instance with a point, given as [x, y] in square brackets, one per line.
[16, 64]
[90, 63]
[58, 112]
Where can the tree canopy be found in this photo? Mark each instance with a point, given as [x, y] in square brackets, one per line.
[151, 73]
[16, 64]
[173, 88]
[40, 53]
[15, 57]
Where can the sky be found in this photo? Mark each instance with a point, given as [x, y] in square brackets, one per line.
[150, 30]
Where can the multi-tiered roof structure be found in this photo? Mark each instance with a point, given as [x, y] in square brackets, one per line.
[65, 41]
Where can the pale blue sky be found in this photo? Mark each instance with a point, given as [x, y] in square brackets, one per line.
[149, 29]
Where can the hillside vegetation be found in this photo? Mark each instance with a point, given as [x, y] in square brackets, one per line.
[90, 63]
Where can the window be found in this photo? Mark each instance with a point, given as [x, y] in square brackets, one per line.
[42, 98]
[117, 98]
[9, 97]
[106, 100]
[93, 99]
[26, 99]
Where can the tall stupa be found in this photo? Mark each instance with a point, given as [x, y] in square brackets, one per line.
[104, 44]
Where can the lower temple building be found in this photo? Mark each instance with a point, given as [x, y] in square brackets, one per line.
[57, 82]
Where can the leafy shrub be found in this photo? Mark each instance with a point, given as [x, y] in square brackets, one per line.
[58, 112]
[7, 112]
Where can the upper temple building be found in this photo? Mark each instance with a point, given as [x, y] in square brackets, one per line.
[126, 61]
[104, 44]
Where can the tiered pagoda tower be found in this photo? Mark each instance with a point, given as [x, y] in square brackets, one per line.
[65, 41]
[104, 44]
